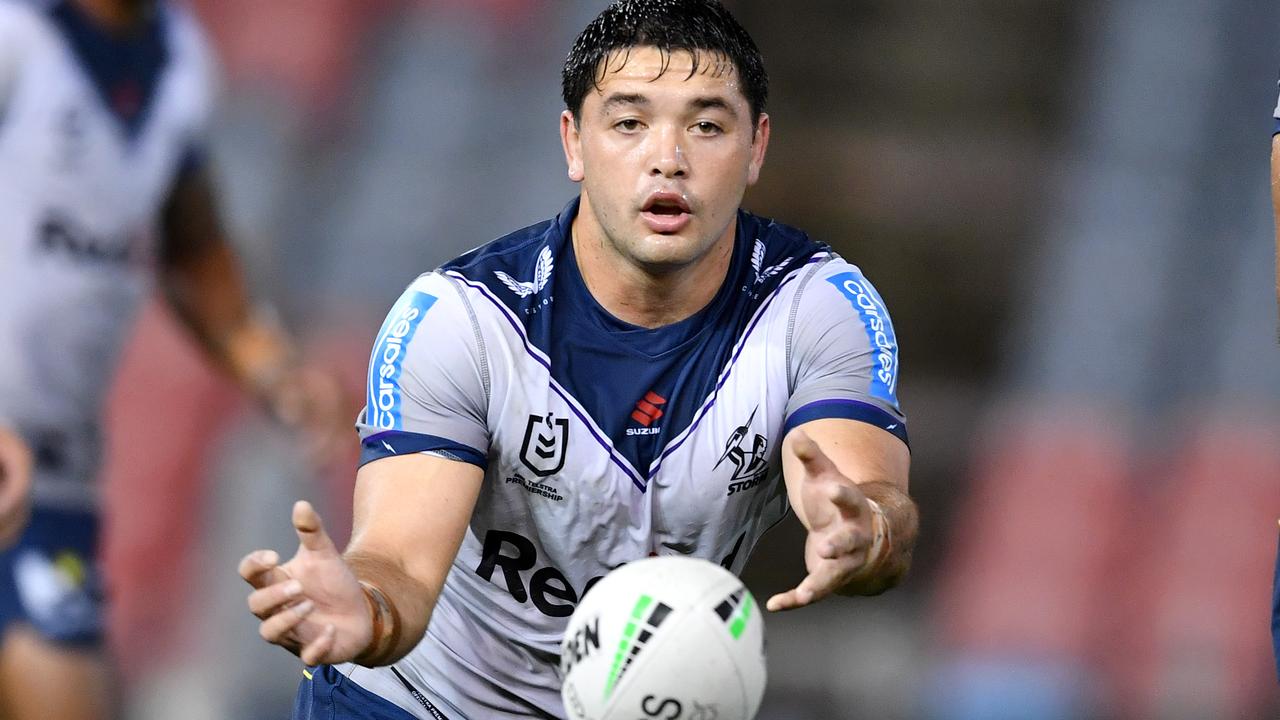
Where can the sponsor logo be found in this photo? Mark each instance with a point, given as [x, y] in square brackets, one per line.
[757, 262]
[541, 276]
[59, 234]
[514, 555]
[387, 361]
[750, 465]
[546, 440]
[875, 318]
[647, 412]
[664, 709]
[581, 645]
[536, 487]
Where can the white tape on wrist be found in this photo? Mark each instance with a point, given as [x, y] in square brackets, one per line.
[881, 541]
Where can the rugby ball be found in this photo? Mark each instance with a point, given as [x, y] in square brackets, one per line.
[665, 637]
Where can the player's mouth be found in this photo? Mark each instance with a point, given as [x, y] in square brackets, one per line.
[665, 212]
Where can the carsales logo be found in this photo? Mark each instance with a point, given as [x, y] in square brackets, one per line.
[875, 320]
[388, 356]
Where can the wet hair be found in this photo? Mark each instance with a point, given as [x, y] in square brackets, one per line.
[703, 28]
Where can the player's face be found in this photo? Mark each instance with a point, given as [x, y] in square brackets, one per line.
[663, 156]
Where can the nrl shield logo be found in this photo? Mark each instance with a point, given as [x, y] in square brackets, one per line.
[546, 440]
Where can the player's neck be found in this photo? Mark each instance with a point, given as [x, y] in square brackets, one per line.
[116, 16]
[644, 298]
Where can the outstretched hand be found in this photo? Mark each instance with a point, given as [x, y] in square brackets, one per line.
[312, 605]
[840, 528]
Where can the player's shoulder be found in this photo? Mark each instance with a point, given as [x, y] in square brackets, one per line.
[830, 279]
[516, 271]
[509, 254]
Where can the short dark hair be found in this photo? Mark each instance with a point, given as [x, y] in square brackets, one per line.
[670, 25]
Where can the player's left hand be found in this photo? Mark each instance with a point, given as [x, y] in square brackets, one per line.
[840, 528]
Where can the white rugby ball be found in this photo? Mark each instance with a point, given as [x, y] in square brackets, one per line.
[675, 638]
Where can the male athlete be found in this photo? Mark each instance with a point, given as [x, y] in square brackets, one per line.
[103, 105]
[596, 389]
[1275, 201]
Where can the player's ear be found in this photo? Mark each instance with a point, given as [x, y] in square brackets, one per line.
[759, 144]
[571, 139]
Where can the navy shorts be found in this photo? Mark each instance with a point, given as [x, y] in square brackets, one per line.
[326, 694]
[50, 579]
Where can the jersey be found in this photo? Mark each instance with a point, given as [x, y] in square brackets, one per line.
[93, 132]
[603, 442]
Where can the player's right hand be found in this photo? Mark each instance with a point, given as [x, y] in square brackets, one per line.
[311, 605]
[15, 486]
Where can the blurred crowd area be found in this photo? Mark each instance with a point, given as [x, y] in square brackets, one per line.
[1064, 204]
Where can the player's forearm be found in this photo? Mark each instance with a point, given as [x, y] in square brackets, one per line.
[208, 296]
[411, 602]
[902, 522]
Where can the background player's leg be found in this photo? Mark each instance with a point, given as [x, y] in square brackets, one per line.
[43, 681]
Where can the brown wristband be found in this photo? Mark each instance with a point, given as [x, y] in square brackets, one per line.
[386, 628]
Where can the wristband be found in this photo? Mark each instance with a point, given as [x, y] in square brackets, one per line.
[386, 628]
[881, 543]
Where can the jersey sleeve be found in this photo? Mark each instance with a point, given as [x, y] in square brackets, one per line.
[427, 390]
[842, 356]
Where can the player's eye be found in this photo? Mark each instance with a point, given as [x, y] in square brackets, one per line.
[706, 127]
[628, 125]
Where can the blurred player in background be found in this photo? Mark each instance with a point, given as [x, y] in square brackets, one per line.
[103, 188]
[653, 371]
[1275, 201]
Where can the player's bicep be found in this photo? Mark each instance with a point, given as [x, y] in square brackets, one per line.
[413, 510]
[843, 354]
[427, 387]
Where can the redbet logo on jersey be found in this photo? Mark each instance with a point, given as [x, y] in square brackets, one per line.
[668, 637]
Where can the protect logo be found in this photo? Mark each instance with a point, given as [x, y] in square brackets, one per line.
[387, 360]
[757, 264]
[875, 319]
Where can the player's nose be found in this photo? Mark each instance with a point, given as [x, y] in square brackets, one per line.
[669, 158]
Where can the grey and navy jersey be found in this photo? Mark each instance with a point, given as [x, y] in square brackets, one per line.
[603, 442]
[93, 130]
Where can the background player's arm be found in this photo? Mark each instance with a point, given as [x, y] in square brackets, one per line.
[411, 512]
[202, 282]
[1275, 201]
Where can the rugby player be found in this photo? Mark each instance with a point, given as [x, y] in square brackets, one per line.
[1275, 201]
[103, 189]
[651, 371]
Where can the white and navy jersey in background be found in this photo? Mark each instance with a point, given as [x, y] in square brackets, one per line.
[1276, 116]
[93, 132]
[603, 442]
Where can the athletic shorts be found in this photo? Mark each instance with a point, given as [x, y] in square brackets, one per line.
[326, 694]
[50, 579]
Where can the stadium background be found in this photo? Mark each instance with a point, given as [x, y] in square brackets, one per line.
[1064, 205]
